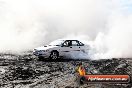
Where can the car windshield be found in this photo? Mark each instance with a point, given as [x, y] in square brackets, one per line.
[57, 42]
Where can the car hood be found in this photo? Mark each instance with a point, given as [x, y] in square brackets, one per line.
[45, 47]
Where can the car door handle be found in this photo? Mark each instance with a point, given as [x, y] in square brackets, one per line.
[79, 47]
[70, 47]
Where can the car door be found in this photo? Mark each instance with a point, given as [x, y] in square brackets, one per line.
[82, 47]
[66, 48]
[75, 46]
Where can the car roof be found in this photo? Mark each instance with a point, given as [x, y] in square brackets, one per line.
[68, 39]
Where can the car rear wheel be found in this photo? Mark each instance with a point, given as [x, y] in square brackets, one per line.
[40, 58]
[54, 55]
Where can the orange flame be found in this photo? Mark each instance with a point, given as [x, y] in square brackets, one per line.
[81, 71]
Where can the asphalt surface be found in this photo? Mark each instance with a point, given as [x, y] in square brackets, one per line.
[26, 71]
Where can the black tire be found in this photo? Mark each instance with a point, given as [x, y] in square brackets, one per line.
[40, 58]
[54, 55]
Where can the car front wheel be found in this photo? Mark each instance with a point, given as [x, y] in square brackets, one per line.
[54, 55]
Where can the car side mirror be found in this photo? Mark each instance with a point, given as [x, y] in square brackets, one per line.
[62, 45]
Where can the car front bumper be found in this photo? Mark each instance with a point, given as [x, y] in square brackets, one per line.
[40, 53]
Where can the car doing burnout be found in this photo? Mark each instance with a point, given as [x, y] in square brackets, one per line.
[60, 48]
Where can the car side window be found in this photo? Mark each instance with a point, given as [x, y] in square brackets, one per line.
[80, 43]
[75, 43]
[66, 44]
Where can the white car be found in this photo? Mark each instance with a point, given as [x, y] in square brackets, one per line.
[60, 48]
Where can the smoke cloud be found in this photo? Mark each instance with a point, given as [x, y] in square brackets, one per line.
[106, 25]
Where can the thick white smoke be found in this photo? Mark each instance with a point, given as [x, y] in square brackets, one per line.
[26, 24]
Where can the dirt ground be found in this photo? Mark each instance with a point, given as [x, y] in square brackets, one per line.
[26, 71]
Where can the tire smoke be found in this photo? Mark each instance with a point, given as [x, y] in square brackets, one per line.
[105, 25]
